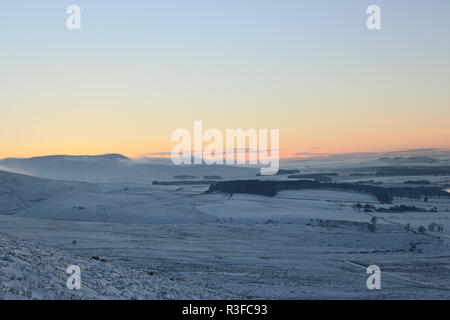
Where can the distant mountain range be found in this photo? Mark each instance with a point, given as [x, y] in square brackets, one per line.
[114, 168]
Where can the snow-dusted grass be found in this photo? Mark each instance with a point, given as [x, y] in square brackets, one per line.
[31, 271]
[219, 260]
[289, 206]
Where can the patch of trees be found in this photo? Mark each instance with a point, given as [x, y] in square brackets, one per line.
[417, 192]
[435, 227]
[421, 182]
[321, 177]
[372, 226]
[212, 177]
[392, 209]
[432, 227]
[413, 171]
[338, 224]
[184, 177]
[183, 183]
[370, 182]
[258, 187]
[271, 188]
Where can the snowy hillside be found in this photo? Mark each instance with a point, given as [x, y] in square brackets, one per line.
[18, 192]
[116, 169]
[136, 240]
[31, 271]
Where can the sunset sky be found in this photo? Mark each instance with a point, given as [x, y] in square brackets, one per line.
[138, 70]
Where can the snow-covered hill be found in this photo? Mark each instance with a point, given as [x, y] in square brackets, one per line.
[114, 168]
[32, 271]
[18, 191]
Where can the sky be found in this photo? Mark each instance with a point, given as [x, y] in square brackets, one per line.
[138, 70]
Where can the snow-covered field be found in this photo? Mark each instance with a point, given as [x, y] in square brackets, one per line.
[134, 240]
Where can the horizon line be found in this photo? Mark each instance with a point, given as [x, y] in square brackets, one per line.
[295, 155]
